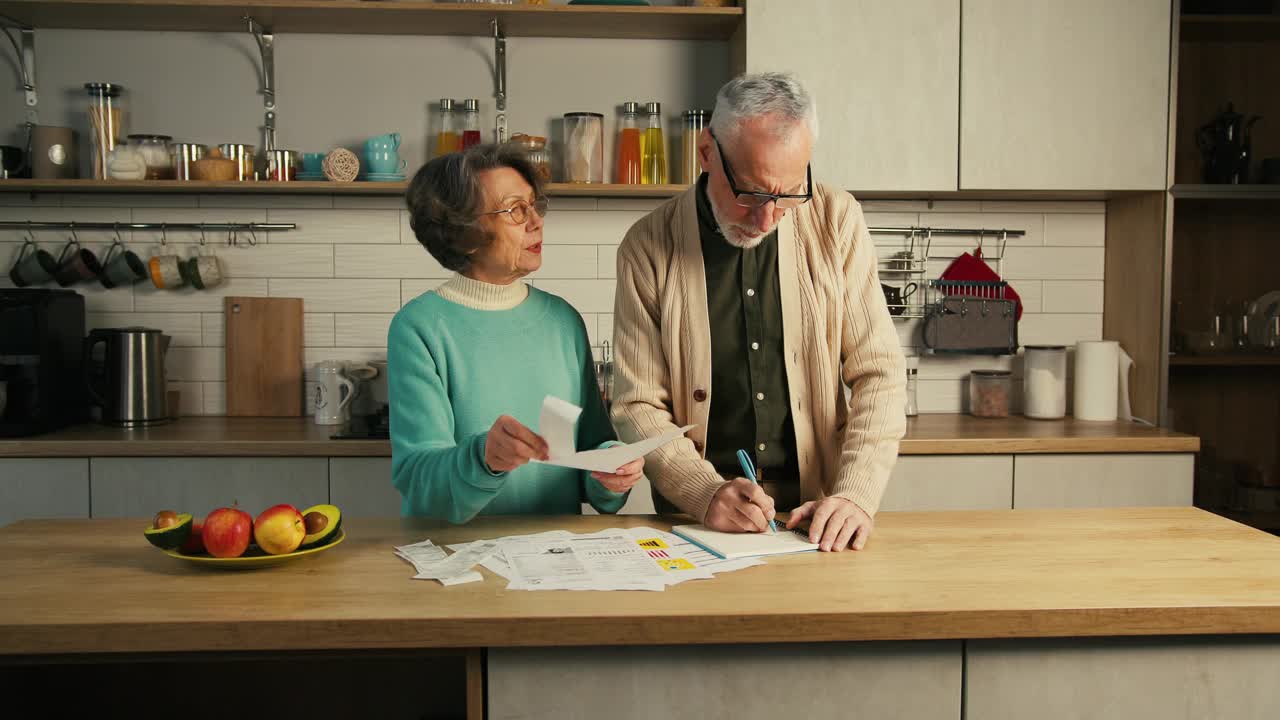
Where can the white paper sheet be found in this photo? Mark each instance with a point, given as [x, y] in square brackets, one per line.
[602, 561]
[556, 425]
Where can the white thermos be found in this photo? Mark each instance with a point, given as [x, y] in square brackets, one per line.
[1102, 381]
[333, 392]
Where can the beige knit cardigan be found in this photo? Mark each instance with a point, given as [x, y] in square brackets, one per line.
[837, 333]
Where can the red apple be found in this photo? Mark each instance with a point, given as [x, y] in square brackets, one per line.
[226, 532]
[279, 529]
[195, 542]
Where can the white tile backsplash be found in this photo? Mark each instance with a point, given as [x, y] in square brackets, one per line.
[355, 261]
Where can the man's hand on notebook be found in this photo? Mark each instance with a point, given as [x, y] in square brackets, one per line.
[740, 506]
[834, 522]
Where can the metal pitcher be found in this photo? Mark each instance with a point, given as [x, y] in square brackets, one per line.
[129, 383]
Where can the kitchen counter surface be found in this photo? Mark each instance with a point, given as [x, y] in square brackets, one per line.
[298, 437]
[95, 586]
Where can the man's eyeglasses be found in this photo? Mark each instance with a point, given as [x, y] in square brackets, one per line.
[760, 199]
[519, 213]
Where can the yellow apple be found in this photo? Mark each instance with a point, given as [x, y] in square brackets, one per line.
[279, 529]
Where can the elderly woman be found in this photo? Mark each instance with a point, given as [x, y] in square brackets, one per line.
[470, 362]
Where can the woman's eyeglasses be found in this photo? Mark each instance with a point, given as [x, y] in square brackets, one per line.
[519, 213]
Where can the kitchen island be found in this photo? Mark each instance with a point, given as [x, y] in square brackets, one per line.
[1129, 612]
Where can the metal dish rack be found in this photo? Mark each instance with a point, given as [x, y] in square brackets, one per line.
[910, 266]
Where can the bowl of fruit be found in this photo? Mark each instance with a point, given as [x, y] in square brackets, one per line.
[231, 539]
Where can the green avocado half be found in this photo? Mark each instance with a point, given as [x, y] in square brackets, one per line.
[172, 537]
[322, 523]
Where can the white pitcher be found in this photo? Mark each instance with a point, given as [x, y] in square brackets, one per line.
[333, 392]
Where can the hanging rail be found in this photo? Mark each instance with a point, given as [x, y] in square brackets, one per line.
[925, 230]
[23, 225]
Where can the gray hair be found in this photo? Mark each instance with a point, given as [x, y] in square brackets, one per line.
[758, 94]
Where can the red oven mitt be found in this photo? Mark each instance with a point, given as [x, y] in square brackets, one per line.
[972, 268]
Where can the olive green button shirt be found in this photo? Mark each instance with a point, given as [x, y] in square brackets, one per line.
[750, 403]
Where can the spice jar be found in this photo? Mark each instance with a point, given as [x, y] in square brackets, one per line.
[694, 122]
[470, 123]
[154, 150]
[106, 123]
[1044, 382]
[584, 147]
[913, 408]
[535, 149]
[628, 169]
[989, 393]
[448, 138]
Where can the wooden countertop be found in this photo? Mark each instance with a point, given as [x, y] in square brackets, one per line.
[95, 586]
[292, 437]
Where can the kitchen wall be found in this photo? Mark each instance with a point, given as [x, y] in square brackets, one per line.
[355, 262]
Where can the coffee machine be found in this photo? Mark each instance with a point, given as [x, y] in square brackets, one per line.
[41, 342]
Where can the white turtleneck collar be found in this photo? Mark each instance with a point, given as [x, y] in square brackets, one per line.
[480, 295]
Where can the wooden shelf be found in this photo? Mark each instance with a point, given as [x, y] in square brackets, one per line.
[307, 187]
[1183, 191]
[1224, 360]
[390, 17]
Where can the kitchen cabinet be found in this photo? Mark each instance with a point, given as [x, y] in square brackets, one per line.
[43, 488]
[1064, 96]
[1073, 481]
[887, 82]
[139, 487]
[950, 482]
[362, 487]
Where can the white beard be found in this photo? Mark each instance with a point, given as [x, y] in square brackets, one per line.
[736, 235]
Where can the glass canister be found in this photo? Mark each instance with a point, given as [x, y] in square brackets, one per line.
[535, 149]
[185, 156]
[989, 393]
[244, 157]
[1044, 382]
[653, 147]
[627, 171]
[694, 121]
[584, 147]
[106, 123]
[470, 123]
[448, 137]
[154, 150]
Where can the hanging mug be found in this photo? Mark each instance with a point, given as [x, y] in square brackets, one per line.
[76, 264]
[34, 268]
[121, 267]
[896, 298]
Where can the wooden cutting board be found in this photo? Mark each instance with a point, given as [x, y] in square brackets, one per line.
[264, 356]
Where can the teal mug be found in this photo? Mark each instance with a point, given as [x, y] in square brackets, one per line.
[313, 163]
[390, 141]
[33, 268]
[384, 162]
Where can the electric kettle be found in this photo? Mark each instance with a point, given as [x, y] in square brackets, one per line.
[129, 381]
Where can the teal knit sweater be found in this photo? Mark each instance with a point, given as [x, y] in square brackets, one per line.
[452, 370]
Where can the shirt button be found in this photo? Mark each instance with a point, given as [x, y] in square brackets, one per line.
[759, 396]
[700, 395]
[750, 292]
[755, 346]
[761, 446]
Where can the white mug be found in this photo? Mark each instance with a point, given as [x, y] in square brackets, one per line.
[333, 393]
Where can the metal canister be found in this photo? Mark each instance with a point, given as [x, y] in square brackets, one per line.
[184, 156]
[243, 155]
[281, 165]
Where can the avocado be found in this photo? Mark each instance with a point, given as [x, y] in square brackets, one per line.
[322, 522]
[171, 537]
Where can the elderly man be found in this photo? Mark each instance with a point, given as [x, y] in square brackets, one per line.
[747, 305]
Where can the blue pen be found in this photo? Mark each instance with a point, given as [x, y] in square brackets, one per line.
[749, 468]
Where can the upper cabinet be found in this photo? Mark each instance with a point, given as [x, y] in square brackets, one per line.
[1064, 95]
[887, 82]
[938, 95]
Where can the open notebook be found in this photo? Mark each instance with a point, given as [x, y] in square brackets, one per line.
[731, 546]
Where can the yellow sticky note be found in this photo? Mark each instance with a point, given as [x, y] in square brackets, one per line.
[676, 564]
[652, 543]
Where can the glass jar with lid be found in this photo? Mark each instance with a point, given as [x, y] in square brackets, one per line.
[535, 149]
[990, 392]
[155, 152]
[106, 123]
[694, 121]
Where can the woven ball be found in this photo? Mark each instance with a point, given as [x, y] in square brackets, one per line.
[341, 165]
